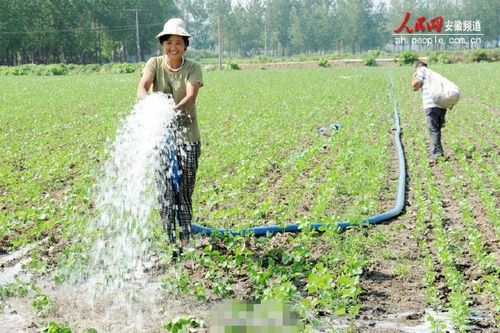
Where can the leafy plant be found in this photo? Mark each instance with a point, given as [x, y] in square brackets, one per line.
[440, 58]
[42, 303]
[232, 64]
[324, 62]
[183, 324]
[406, 57]
[176, 283]
[437, 325]
[479, 55]
[15, 289]
[370, 61]
[262, 59]
[55, 327]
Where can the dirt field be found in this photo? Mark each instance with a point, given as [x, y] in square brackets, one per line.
[424, 271]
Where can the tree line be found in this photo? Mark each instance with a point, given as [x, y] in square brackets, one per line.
[97, 31]
[79, 31]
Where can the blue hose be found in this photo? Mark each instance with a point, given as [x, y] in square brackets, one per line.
[174, 162]
[375, 219]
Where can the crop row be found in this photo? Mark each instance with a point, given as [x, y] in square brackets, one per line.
[451, 243]
[281, 154]
[271, 154]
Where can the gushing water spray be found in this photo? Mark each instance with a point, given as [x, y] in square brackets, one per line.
[111, 288]
[125, 195]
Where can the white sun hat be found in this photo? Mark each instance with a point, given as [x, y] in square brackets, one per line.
[174, 26]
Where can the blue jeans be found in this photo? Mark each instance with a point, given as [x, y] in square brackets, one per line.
[435, 121]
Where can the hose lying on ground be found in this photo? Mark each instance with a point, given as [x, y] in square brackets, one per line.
[375, 219]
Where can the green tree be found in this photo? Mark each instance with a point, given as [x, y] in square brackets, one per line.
[12, 21]
[220, 16]
[197, 17]
[380, 35]
[313, 25]
[356, 23]
[78, 31]
[248, 33]
[277, 20]
[487, 12]
[303, 26]
[152, 17]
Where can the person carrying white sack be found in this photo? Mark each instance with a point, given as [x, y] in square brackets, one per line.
[434, 114]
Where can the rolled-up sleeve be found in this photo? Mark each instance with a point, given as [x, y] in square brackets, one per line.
[150, 67]
[196, 75]
[421, 74]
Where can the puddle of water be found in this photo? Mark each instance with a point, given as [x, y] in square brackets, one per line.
[401, 323]
[11, 265]
[17, 316]
[7, 258]
[9, 274]
[406, 322]
[395, 322]
[143, 307]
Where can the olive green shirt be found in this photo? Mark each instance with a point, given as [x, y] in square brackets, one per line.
[174, 83]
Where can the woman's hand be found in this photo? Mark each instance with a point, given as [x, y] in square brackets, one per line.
[141, 94]
[144, 85]
[192, 88]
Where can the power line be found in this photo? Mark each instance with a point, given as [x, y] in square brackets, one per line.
[115, 28]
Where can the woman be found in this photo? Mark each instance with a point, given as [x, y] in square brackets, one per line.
[172, 74]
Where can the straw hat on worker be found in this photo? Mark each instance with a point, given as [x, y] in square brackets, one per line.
[174, 26]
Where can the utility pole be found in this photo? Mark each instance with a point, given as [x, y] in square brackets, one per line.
[138, 44]
[137, 35]
[265, 39]
[220, 42]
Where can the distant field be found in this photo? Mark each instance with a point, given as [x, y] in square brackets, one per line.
[271, 155]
